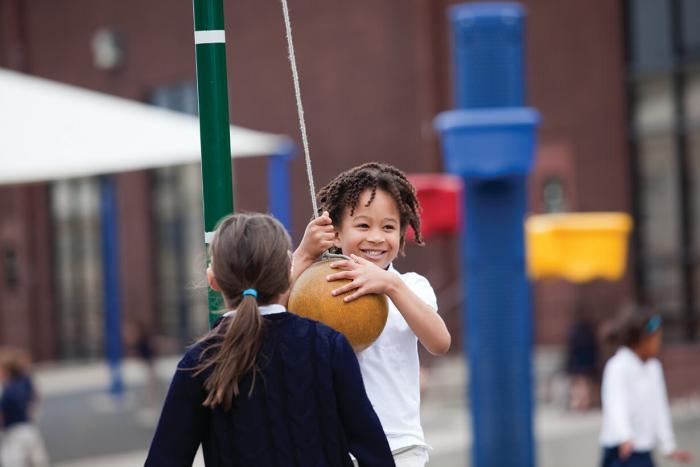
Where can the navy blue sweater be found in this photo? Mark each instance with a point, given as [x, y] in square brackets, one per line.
[308, 408]
[16, 398]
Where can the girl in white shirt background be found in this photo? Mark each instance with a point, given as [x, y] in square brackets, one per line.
[635, 405]
[366, 212]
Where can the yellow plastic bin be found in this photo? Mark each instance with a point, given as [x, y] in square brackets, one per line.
[577, 246]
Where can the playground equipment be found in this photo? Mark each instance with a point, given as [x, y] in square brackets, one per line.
[577, 246]
[361, 321]
[440, 197]
[218, 189]
[489, 141]
[212, 95]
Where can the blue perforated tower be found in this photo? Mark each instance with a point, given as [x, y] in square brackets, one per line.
[489, 140]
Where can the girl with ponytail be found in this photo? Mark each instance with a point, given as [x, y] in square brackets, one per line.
[265, 387]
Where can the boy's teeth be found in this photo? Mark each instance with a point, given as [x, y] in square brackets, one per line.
[373, 253]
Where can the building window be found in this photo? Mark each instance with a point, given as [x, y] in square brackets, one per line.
[78, 267]
[181, 292]
[10, 268]
[663, 60]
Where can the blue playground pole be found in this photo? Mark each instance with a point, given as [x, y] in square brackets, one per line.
[278, 184]
[110, 276]
[490, 142]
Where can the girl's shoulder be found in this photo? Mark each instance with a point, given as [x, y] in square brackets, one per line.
[655, 365]
[193, 355]
[319, 336]
[420, 285]
[411, 278]
[319, 329]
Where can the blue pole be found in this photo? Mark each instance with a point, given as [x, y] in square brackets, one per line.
[487, 54]
[499, 331]
[490, 142]
[279, 192]
[110, 274]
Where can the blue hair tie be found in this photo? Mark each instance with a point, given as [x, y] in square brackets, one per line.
[653, 324]
[252, 292]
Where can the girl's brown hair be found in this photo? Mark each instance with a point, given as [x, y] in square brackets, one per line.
[248, 251]
[633, 324]
[16, 362]
[343, 192]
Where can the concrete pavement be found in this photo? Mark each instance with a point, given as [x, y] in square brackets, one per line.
[83, 426]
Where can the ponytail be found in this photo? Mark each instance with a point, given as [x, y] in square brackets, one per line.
[248, 250]
[235, 355]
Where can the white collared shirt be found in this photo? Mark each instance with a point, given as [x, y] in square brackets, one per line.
[635, 404]
[264, 310]
[391, 371]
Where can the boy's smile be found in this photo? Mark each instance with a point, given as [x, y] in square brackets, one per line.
[373, 232]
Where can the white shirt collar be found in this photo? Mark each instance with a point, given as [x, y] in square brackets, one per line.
[630, 355]
[273, 309]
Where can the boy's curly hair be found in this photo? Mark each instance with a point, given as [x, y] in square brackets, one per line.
[344, 192]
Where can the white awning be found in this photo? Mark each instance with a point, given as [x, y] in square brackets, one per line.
[50, 130]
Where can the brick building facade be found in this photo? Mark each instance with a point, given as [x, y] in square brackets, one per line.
[374, 74]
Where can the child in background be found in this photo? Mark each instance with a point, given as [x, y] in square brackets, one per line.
[265, 387]
[635, 405]
[21, 443]
[366, 211]
[581, 363]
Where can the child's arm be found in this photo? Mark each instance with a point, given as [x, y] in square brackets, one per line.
[665, 427]
[366, 438]
[318, 237]
[367, 277]
[182, 421]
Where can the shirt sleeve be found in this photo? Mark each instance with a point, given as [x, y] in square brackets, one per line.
[421, 287]
[182, 421]
[365, 435]
[615, 404]
[664, 428]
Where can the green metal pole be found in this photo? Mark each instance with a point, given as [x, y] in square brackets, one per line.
[212, 92]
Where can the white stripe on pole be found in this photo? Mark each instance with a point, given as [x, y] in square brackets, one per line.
[209, 37]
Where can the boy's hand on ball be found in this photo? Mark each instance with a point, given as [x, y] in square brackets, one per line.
[366, 277]
[318, 237]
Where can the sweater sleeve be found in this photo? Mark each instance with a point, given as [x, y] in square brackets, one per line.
[366, 438]
[664, 428]
[615, 407]
[182, 422]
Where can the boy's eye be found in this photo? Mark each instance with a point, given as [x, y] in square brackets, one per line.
[362, 226]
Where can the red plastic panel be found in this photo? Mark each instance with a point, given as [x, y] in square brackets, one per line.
[440, 196]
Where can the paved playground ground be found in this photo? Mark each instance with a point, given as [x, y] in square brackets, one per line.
[83, 426]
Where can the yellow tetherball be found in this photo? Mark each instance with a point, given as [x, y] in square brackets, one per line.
[361, 320]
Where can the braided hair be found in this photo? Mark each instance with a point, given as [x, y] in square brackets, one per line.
[343, 192]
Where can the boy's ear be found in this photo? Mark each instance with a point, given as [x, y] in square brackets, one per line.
[212, 280]
[336, 239]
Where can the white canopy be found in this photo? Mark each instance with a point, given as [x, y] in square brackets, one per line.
[50, 130]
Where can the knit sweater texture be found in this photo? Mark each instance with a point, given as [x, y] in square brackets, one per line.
[308, 407]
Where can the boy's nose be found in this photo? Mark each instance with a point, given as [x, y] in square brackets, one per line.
[375, 237]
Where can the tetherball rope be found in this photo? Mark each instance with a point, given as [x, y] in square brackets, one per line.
[300, 107]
